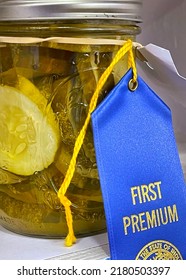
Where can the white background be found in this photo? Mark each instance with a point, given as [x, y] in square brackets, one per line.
[164, 24]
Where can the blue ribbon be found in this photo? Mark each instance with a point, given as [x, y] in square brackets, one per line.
[141, 176]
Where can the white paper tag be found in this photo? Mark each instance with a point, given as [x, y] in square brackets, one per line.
[160, 68]
[159, 71]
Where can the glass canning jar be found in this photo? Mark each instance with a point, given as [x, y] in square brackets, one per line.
[45, 88]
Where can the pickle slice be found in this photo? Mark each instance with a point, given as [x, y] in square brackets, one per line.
[29, 133]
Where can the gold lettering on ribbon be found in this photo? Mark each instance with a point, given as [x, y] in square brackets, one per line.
[150, 219]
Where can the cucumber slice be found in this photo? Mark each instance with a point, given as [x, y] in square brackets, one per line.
[29, 133]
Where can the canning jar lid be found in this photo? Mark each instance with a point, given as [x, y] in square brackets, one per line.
[13, 10]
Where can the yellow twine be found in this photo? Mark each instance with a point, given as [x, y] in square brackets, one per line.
[127, 48]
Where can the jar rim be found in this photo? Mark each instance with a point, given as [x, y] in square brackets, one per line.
[18, 10]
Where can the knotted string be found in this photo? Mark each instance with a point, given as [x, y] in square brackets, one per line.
[126, 48]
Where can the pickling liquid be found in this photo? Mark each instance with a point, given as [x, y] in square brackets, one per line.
[45, 90]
